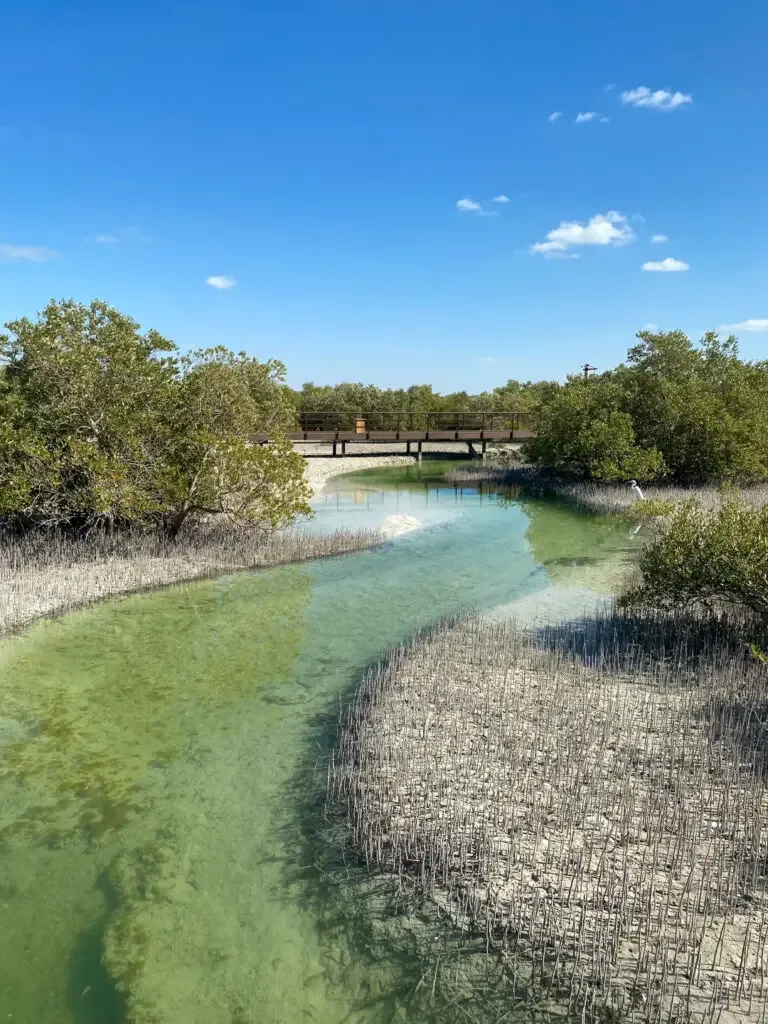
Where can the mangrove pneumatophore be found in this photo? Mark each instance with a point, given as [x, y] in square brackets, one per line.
[590, 798]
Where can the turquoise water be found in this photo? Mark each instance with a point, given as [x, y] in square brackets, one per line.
[163, 852]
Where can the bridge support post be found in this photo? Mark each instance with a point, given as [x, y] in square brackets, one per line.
[343, 447]
[418, 456]
[407, 447]
[334, 448]
[485, 443]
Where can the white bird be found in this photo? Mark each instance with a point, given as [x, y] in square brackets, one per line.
[636, 490]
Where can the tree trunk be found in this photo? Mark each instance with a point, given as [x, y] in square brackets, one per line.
[174, 523]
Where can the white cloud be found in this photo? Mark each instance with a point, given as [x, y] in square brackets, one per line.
[501, 199]
[555, 116]
[658, 239]
[31, 253]
[609, 228]
[604, 120]
[661, 99]
[666, 266]
[221, 282]
[468, 206]
[609, 87]
[132, 234]
[588, 115]
[746, 326]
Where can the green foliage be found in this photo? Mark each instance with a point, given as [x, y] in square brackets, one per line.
[706, 557]
[208, 465]
[703, 407]
[103, 425]
[82, 397]
[582, 433]
[385, 408]
[689, 413]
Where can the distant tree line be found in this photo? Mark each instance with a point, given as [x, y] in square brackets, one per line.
[404, 408]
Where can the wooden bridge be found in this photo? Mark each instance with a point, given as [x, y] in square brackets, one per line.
[412, 428]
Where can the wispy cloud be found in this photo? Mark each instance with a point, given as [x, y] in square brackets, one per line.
[667, 266]
[555, 116]
[29, 253]
[221, 282]
[660, 99]
[746, 327]
[468, 206]
[588, 115]
[604, 120]
[488, 359]
[658, 239]
[131, 234]
[610, 228]
[651, 327]
[501, 198]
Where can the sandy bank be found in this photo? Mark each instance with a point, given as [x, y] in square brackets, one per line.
[70, 579]
[603, 825]
[322, 466]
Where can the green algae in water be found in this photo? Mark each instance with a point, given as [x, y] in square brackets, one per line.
[104, 710]
[176, 773]
[104, 716]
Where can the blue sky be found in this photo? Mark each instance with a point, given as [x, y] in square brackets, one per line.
[315, 153]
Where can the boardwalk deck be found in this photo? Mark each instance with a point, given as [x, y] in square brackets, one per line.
[469, 428]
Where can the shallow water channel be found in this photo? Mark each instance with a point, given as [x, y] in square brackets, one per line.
[162, 766]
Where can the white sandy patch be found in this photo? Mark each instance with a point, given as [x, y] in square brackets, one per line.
[551, 605]
[398, 524]
[320, 471]
[321, 465]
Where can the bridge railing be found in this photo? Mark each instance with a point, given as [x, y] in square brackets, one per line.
[416, 420]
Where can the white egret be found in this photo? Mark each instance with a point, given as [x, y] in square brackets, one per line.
[636, 490]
